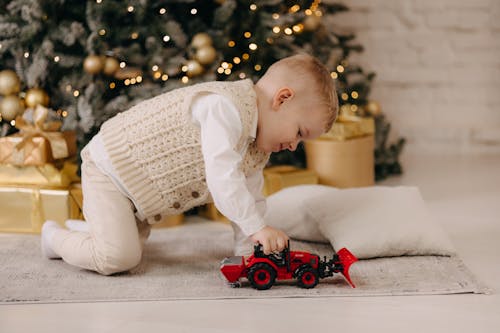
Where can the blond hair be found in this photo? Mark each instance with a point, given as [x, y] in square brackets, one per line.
[304, 65]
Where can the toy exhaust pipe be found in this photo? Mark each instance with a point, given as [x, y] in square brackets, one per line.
[346, 258]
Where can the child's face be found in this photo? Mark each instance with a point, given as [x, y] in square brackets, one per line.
[288, 122]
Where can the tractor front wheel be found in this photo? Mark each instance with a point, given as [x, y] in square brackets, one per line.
[307, 278]
[261, 276]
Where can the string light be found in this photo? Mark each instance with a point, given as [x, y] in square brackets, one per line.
[12, 123]
[344, 96]
[276, 16]
[123, 64]
[294, 9]
[166, 38]
[269, 40]
[130, 9]
[57, 58]
[76, 93]
[354, 107]
[252, 46]
[257, 67]
[288, 31]
[26, 55]
[247, 34]
[334, 75]
[162, 11]
[164, 77]
[227, 71]
[340, 68]
[194, 11]
[242, 75]
[154, 68]
[156, 75]
[236, 60]
[231, 43]
[102, 32]
[276, 30]
[245, 56]
[185, 79]
[134, 35]
[112, 85]
[64, 113]
[98, 1]
[253, 7]
[220, 70]
[354, 94]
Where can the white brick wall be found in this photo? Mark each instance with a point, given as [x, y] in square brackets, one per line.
[438, 69]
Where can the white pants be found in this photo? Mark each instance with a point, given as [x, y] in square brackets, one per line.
[115, 239]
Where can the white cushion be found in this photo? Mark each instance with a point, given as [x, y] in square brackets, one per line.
[371, 222]
[286, 211]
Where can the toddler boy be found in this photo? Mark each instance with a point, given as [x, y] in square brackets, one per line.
[185, 148]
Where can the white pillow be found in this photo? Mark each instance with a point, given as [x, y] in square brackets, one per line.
[286, 211]
[376, 221]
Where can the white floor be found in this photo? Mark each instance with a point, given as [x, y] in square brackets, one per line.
[463, 192]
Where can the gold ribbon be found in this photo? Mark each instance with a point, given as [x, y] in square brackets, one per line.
[41, 128]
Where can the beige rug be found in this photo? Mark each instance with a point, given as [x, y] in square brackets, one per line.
[183, 263]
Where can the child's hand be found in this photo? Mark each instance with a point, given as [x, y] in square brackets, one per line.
[273, 240]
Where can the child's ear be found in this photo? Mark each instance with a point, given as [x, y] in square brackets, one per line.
[282, 95]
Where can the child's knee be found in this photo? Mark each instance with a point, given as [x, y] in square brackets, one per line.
[120, 260]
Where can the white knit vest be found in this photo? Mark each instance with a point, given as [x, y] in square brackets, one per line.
[156, 149]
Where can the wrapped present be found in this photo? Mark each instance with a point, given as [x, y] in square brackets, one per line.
[281, 176]
[24, 209]
[38, 143]
[46, 175]
[350, 127]
[342, 164]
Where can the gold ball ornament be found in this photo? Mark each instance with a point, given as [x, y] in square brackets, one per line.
[111, 65]
[373, 108]
[312, 22]
[93, 64]
[36, 96]
[10, 107]
[201, 39]
[206, 55]
[9, 82]
[193, 68]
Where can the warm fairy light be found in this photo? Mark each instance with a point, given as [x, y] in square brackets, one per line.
[308, 12]
[298, 27]
[156, 75]
[340, 68]
[231, 43]
[194, 11]
[185, 79]
[12, 123]
[242, 75]
[257, 67]
[220, 70]
[102, 32]
[354, 94]
[76, 93]
[247, 34]
[134, 35]
[164, 77]
[269, 40]
[236, 60]
[184, 68]
[288, 31]
[344, 96]
[276, 29]
[26, 54]
[64, 113]
[334, 75]
[166, 38]
[123, 64]
[98, 1]
[354, 107]
[318, 13]
[112, 85]
[224, 65]
[133, 80]
[139, 79]
[252, 46]
[130, 9]
[227, 71]
[127, 82]
[162, 11]
[154, 68]
[294, 9]
[57, 58]
[276, 16]
[245, 56]
[253, 7]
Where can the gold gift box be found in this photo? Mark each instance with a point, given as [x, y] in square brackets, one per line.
[35, 150]
[45, 176]
[275, 179]
[25, 209]
[281, 176]
[349, 127]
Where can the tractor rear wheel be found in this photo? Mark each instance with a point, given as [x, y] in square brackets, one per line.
[307, 277]
[261, 276]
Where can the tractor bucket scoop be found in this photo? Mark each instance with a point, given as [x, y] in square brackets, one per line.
[346, 258]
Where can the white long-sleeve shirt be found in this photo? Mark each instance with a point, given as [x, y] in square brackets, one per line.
[237, 197]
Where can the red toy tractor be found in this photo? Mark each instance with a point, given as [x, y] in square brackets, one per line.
[262, 270]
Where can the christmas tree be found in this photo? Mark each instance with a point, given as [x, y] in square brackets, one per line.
[90, 60]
